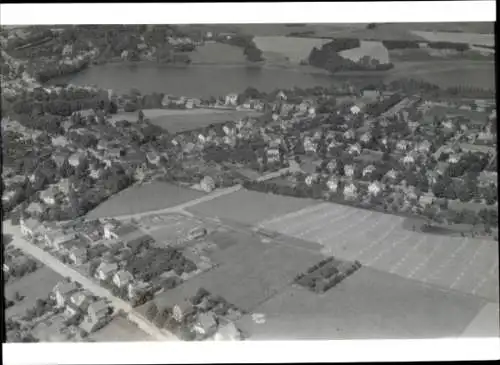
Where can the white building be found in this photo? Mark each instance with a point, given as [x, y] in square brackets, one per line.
[350, 191]
[349, 170]
[207, 184]
[375, 188]
[332, 184]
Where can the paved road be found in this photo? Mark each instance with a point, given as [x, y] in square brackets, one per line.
[66, 271]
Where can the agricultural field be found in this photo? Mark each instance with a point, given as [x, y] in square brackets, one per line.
[293, 49]
[142, 198]
[176, 121]
[370, 304]
[118, 330]
[383, 241]
[248, 272]
[442, 111]
[176, 228]
[250, 207]
[36, 285]
[373, 49]
[485, 324]
[454, 37]
[218, 53]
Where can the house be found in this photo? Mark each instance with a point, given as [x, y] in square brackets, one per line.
[375, 188]
[368, 170]
[454, 158]
[309, 145]
[371, 94]
[391, 175]
[207, 184]
[365, 137]
[423, 147]
[355, 109]
[408, 160]
[354, 149]
[205, 324]
[273, 154]
[228, 332]
[281, 95]
[64, 186]
[153, 157]
[59, 141]
[181, 310]
[331, 166]
[8, 196]
[197, 233]
[135, 288]
[60, 157]
[55, 239]
[106, 270]
[402, 145]
[48, 196]
[98, 311]
[350, 191]
[114, 152]
[78, 255]
[122, 278]
[76, 158]
[35, 209]
[350, 134]
[29, 227]
[349, 170]
[63, 290]
[332, 184]
[81, 300]
[231, 99]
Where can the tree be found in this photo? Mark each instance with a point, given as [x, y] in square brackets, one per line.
[161, 317]
[152, 311]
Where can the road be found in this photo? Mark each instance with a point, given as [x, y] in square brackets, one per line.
[66, 271]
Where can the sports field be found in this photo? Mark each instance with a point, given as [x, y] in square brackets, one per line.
[380, 241]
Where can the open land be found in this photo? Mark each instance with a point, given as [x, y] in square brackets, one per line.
[120, 329]
[218, 53]
[381, 241]
[32, 286]
[367, 305]
[485, 324]
[293, 49]
[463, 37]
[176, 121]
[142, 198]
[250, 207]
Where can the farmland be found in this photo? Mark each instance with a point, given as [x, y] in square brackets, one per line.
[120, 329]
[217, 53]
[382, 241]
[454, 37]
[373, 49]
[176, 121]
[294, 49]
[250, 207]
[33, 286]
[367, 305]
[142, 198]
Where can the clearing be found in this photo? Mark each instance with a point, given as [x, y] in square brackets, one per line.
[292, 49]
[373, 49]
[382, 241]
[176, 121]
[250, 207]
[367, 305]
[36, 285]
[143, 198]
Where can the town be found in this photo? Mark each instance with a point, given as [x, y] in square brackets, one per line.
[156, 261]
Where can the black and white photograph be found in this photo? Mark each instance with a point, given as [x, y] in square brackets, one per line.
[221, 181]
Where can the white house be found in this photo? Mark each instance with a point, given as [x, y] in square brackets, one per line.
[365, 137]
[29, 226]
[355, 149]
[349, 170]
[350, 134]
[454, 158]
[207, 184]
[205, 324]
[350, 191]
[63, 290]
[332, 184]
[331, 166]
[355, 109]
[228, 332]
[48, 196]
[105, 270]
[408, 160]
[402, 145]
[309, 145]
[370, 169]
[281, 95]
[76, 158]
[122, 278]
[375, 188]
[232, 99]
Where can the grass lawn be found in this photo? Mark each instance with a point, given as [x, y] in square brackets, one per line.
[33, 286]
[250, 207]
[367, 305]
[142, 198]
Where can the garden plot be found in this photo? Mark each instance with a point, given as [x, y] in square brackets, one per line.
[381, 241]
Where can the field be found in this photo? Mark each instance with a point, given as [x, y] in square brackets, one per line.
[142, 198]
[176, 121]
[33, 286]
[367, 305]
[120, 329]
[454, 37]
[442, 111]
[217, 53]
[485, 323]
[249, 271]
[250, 207]
[294, 48]
[373, 49]
[382, 241]
[177, 227]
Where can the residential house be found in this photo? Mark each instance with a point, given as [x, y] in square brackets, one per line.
[114, 152]
[29, 227]
[8, 196]
[153, 157]
[350, 135]
[349, 170]
[311, 179]
[76, 158]
[355, 109]
[48, 196]
[368, 170]
[354, 149]
[106, 270]
[78, 255]
[365, 137]
[205, 324]
[122, 278]
[98, 312]
[135, 288]
[231, 99]
[63, 290]
[59, 141]
[309, 145]
[273, 154]
[60, 157]
[281, 96]
[350, 191]
[180, 311]
[110, 229]
[35, 209]
[57, 238]
[375, 188]
[331, 166]
[408, 160]
[402, 146]
[81, 300]
[454, 158]
[332, 184]
[64, 186]
[228, 332]
[423, 147]
[207, 184]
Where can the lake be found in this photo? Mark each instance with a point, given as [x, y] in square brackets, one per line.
[218, 80]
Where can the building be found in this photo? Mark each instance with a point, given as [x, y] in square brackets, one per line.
[106, 270]
[205, 324]
[375, 188]
[350, 191]
[29, 227]
[48, 196]
[207, 184]
[122, 278]
[78, 255]
[81, 300]
[281, 96]
[332, 184]
[355, 109]
[228, 332]
[197, 233]
[354, 149]
[331, 166]
[35, 209]
[56, 239]
[181, 310]
[153, 157]
[76, 159]
[231, 99]
[63, 290]
[368, 170]
[98, 311]
[349, 170]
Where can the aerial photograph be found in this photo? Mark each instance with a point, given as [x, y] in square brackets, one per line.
[248, 182]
